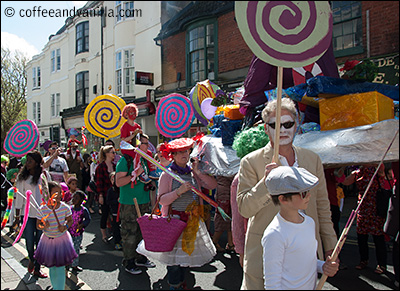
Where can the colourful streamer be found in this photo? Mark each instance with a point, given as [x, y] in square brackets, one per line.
[26, 215]
[84, 138]
[10, 199]
[179, 179]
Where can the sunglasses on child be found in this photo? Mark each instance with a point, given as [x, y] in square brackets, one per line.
[303, 195]
[286, 125]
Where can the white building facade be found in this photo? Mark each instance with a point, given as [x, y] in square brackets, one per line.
[107, 49]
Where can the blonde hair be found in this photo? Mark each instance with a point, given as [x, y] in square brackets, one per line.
[286, 104]
[103, 151]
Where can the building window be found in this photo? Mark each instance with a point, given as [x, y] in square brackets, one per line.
[118, 68]
[347, 28]
[201, 52]
[82, 88]
[124, 10]
[82, 37]
[125, 72]
[36, 112]
[55, 105]
[36, 77]
[129, 71]
[55, 60]
[129, 11]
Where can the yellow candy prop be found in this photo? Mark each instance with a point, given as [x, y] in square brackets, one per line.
[103, 116]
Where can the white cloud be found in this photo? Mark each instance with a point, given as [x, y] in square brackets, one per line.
[16, 43]
[79, 4]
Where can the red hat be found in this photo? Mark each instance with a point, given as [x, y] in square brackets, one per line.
[176, 145]
[180, 144]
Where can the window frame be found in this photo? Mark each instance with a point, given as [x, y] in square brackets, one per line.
[359, 30]
[55, 104]
[84, 75]
[191, 27]
[84, 38]
[123, 65]
[55, 60]
[36, 79]
[128, 71]
[121, 5]
[36, 112]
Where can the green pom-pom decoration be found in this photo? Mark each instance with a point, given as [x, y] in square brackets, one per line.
[249, 140]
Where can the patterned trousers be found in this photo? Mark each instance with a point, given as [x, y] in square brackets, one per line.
[77, 246]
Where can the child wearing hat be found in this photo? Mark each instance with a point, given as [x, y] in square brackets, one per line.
[289, 243]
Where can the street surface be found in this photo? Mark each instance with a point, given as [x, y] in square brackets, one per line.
[102, 269]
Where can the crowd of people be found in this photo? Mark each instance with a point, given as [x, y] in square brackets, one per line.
[283, 211]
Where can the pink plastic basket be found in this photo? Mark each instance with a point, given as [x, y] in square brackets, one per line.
[160, 234]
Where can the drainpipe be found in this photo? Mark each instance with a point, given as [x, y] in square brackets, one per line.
[102, 25]
[368, 36]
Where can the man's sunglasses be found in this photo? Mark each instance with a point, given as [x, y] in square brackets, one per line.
[286, 125]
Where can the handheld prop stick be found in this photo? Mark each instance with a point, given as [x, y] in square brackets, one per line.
[352, 216]
[278, 117]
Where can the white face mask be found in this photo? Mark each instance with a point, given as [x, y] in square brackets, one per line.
[286, 134]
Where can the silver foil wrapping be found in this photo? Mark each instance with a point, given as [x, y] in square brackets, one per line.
[341, 147]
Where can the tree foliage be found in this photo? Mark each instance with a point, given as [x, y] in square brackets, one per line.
[13, 90]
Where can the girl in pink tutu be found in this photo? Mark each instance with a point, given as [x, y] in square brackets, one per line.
[55, 249]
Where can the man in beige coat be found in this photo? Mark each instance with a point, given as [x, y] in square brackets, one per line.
[254, 201]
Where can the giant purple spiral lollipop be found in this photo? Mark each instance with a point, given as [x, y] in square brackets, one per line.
[22, 138]
[288, 34]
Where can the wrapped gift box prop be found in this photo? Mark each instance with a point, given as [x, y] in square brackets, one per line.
[355, 110]
[231, 123]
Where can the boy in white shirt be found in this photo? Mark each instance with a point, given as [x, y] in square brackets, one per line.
[289, 243]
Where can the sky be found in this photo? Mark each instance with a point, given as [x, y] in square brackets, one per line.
[27, 34]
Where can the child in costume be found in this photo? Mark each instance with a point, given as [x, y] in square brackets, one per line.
[289, 243]
[55, 249]
[72, 184]
[72, 138]
[130, 128]
[80, 220]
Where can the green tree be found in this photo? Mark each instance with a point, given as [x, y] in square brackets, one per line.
[13, 90]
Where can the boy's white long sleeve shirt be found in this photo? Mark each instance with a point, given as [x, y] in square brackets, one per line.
[290, 255]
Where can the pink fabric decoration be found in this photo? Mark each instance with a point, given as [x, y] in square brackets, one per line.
[26, 215]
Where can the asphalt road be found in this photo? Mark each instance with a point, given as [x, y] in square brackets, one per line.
[103, 269]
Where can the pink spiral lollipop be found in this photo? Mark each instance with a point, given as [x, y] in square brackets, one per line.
[174, 115]
[22, 138]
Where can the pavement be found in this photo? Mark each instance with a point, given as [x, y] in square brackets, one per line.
[13, 274]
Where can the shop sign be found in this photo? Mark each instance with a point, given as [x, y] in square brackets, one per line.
[143, 78]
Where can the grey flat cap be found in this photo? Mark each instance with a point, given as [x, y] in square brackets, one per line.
[286, 179]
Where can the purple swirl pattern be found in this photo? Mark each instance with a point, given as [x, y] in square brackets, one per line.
[174, 115]
[22, 138]
[285, 33]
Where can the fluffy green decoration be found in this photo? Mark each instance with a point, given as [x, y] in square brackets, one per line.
[23, 160]
[249, 140]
